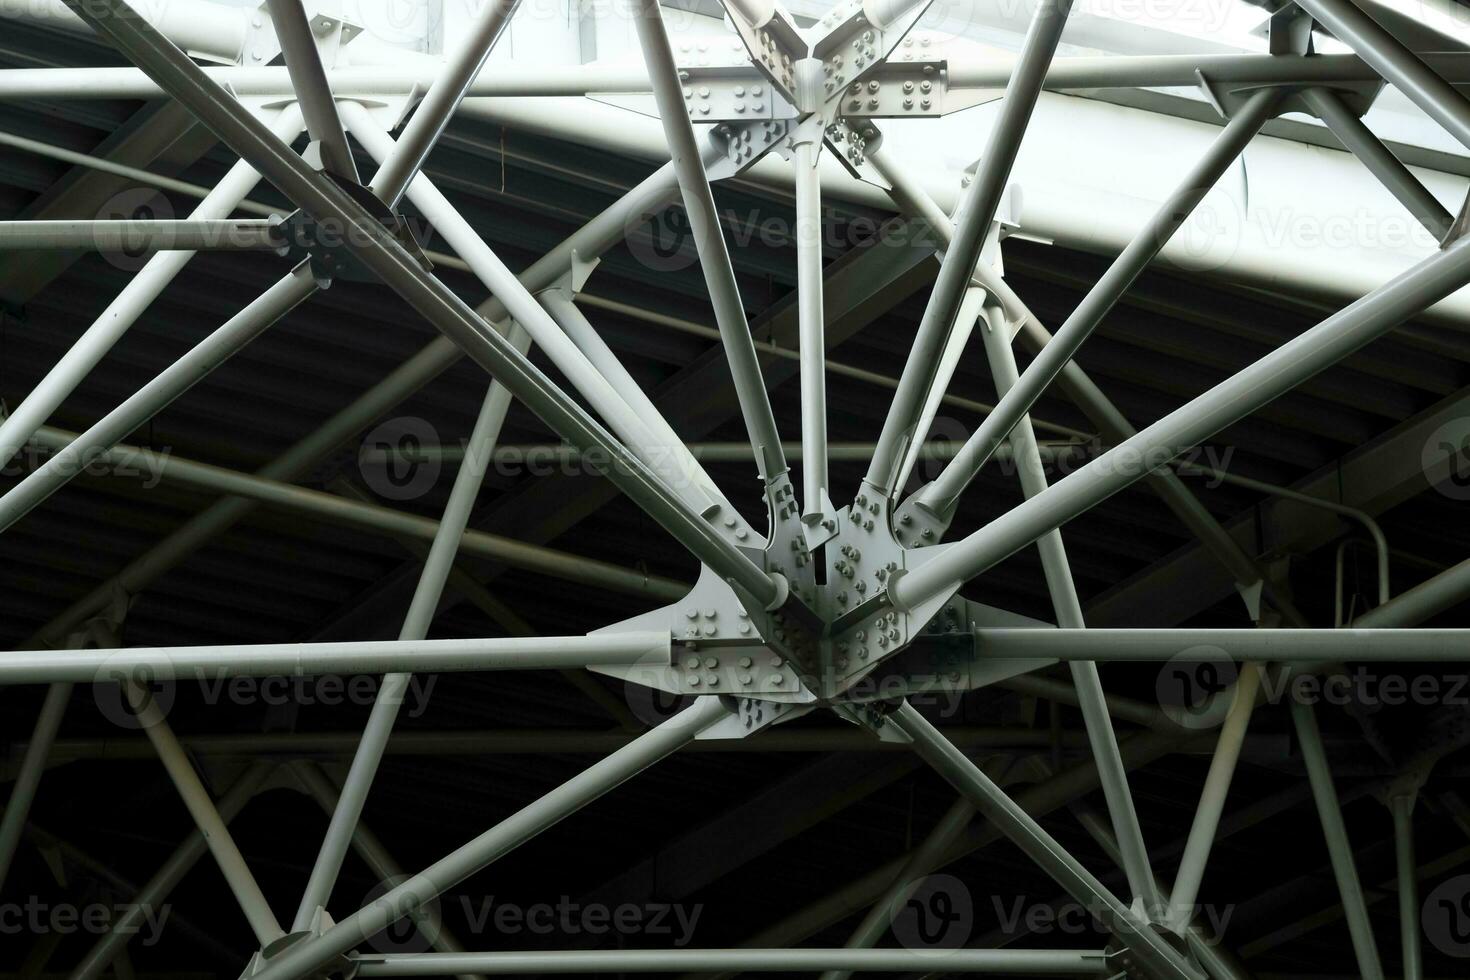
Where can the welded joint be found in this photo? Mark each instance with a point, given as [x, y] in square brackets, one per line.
[304, 238]
[339, 968]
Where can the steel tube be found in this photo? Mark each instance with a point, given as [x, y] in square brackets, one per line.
[594, 238]
[430, 589]
[1156, 956]
[1402, 806]
[812, 329]
[709, 239]
[559, 803]
[157, 889]
[1289, 365]
[28, 779]
[1393, 175]
[1396, 63]
[153, 397]
[941, 496]
[379, 250]
[137, 236]
[309, 83]
[1068, 608]
[972, 226]
[1339, 848]
[1238, 645]
[443, 98]
[624, 420]
[348, 657]
[1011, 962]
[129, 304]
[1206, 823]
[913, 200]
[354, 513]
[1427, 599]
[206, 817]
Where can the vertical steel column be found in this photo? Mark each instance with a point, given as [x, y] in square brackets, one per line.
[941, 496]
[1402, 805]
[1201, 838]
[709, 240]
[1154, 954]
[1090, 698]
[1396, 63]
[28, 779]
[129, 304]
[526, 823]
[166, 878]
[211, 825]
[1339, 849]
[1352, 133]
[972, 225]
[426, 596]
[812, 326]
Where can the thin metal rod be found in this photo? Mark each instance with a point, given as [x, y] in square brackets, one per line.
[559, 803]
[913, 200]
[1211, 807]
[1068, 608]
[1296, 646]
[1354, 134]
[425, 602]
[377, 248]
[972, 226]
[320, 787]
[309, 82]
[1390, 58]
[812, 329]
[1334, 830]
[1010, 962]
[206, 817]
[941, 496]
[595, 237]
[1402, 805]
[137, 236]
[348, 657]
[1155, 955]
[564, 310]
[709, 240]
[622, 418]
[155, 892]
[28, 779]
[876, 922]
[355, 513]
[153, 397]
[124, 310]
[444, 96]
[1278, 372]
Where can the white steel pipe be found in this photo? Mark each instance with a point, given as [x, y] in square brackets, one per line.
[355, 657]
[143, 235]
[1238, 645]
[1008, 962]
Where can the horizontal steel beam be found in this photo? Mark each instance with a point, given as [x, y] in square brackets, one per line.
[1279, 645]
[1012, 962]
[138, 236]
[304, 659]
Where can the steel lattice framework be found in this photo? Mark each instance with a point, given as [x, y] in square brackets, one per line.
[841, 608]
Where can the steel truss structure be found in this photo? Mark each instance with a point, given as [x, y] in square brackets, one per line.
[847, 600]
